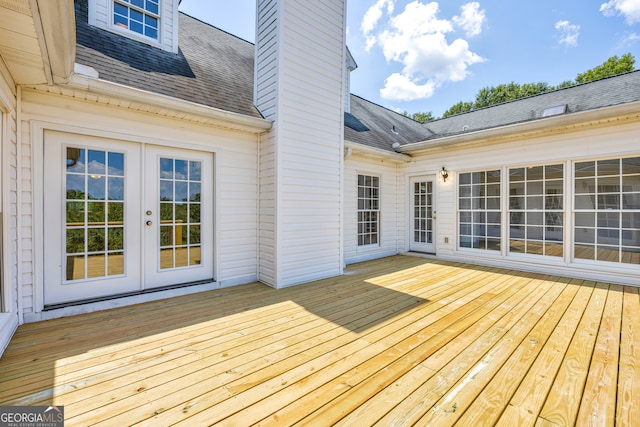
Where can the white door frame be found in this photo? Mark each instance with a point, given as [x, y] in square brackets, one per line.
[154, 275]
[55, 141]
[430, 231]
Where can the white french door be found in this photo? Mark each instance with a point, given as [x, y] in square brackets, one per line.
[178, 212]
[423, 214]
[122, 217]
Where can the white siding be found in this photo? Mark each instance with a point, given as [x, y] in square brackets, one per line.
[599, 142]
[9, 207]
[391, 213]
[235, 173]
[267, 217]
[299, 84]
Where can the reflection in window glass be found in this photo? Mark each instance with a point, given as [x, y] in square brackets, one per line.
[179, 206]
[607, 210]
[423, 212]
[94, 229]
[479, 206]
[368, 210]
[139, 16]
[536, 206]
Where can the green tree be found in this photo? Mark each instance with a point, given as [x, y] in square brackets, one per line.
[458, 108]
[492, 95]
[423, 117]
[420, 117]
[610, 67]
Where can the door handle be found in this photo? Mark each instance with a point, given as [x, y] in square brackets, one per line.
[149, 223]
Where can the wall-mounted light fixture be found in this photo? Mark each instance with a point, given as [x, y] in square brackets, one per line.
[444, 173]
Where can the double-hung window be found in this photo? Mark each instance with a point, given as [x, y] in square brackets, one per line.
[139, 16]
[607, 210]
[368, 210]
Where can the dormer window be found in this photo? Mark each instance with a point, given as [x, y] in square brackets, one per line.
[153, 22]
[139, 16]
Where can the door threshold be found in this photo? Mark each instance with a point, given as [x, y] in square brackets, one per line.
[50, 307]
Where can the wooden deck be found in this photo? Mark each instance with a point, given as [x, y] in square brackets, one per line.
[397, 341]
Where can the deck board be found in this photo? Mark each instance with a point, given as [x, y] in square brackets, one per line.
[397, 341]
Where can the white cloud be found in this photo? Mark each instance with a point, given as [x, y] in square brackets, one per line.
[568, 33]
[417, 39]
[629, 40]
[630, 9]
[471, 19]
[400, 87]
[372, 17]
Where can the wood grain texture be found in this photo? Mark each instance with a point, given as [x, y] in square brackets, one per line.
[395, 341]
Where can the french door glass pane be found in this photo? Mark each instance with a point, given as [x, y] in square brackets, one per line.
[179, 206]
[423, 212]
[94, 229]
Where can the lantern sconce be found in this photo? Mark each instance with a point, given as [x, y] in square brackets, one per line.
[444, 173]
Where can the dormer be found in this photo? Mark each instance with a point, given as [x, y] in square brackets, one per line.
[154, 22]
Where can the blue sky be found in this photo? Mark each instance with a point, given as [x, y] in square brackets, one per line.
[426, 56]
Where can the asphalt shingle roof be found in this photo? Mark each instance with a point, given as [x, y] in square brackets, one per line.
[212, 68]
[215, 68]
[378, 127]
[607, 92]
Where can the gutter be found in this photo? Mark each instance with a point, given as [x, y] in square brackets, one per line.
[377, 152]
[531, 128]
[88, 81]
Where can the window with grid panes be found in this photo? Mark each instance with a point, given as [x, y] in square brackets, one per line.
[479, 213]
[368, 210]
[536, 207]
[607, 210]
[139, 16]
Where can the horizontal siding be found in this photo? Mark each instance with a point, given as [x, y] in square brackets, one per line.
[267, 215]
[25, 230]
[598, 142]
[99, 13]
[391, 236]
[266, 68]
[236, 160]
[300, 51]
[10, 271]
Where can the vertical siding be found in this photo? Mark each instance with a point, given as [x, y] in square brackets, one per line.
[391, 237]
[299, 76]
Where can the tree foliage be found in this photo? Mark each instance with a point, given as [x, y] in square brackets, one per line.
[420, 117]
[610, 67]
[458, 108]
[492, 95]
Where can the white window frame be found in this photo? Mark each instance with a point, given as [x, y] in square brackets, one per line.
[360, 233]
[471, 211]
[579, 224]
[144, 12]
[543, 210]
[101, 14]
